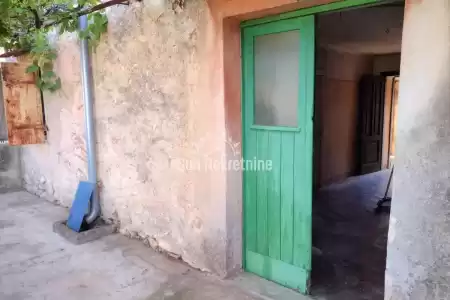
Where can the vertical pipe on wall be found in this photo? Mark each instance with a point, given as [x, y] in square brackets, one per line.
[86, 76]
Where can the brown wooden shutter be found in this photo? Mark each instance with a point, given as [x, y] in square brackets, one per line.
[23, 104]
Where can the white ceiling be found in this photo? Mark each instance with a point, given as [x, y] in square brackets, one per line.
[372, 30]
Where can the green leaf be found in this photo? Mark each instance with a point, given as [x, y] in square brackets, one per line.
[18, 30]
[43, 61]
[32, 69]
[83, 34]
[48, 74]
[19, 10]
[39, 83]
[52, 55]
[56, 85]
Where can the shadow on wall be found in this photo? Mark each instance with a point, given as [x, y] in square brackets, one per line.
[10, 173]
[3, 127]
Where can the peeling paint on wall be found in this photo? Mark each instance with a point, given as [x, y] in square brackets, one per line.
[152, 103]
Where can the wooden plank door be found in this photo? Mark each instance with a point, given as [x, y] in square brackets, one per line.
[23, 104]
[278, 79]
[372, 116]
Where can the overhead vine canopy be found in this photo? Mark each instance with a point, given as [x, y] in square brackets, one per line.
[25, 25]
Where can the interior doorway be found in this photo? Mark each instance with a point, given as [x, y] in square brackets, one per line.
[357, 76]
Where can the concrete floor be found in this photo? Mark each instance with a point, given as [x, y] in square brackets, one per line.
[36, 263]
[351, 239]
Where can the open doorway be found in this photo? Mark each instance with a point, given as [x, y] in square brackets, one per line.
[357, 77]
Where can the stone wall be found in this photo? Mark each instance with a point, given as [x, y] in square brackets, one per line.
[10, 176]
[155, 109]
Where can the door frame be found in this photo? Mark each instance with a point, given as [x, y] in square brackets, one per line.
[313, 10]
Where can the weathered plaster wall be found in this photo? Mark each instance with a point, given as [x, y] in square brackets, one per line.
[419, 243]
[153, 108]
[167, 89]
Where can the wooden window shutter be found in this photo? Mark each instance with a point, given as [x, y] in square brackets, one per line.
[23, 104]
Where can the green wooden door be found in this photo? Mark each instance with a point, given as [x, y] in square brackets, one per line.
[278, 95]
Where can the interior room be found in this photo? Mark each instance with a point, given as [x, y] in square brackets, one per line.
[357, 78]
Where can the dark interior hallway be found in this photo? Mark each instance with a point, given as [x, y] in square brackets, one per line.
[349, 256]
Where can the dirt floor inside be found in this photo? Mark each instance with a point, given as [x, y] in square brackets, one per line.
[350, 239]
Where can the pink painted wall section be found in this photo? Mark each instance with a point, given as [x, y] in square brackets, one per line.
[167, 92]
[252, 9]
[227, 15]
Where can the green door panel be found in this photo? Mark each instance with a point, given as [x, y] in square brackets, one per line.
[278, 95]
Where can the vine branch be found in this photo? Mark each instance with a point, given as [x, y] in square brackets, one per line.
[12, 53]
[38, 22]
[90, 10]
